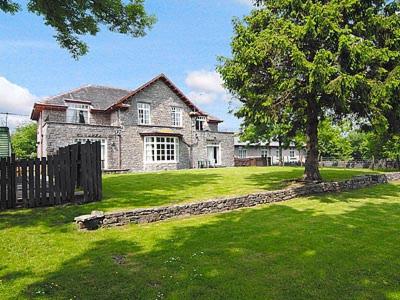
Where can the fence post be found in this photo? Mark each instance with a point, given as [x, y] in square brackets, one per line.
[50, 173]
[37, 182]
[31, 184]
[57, 187]
[12, 182]
[3, 183]
[43, 167]
[24, 182]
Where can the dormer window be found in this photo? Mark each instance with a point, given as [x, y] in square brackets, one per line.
[78, 113]
[143, 113]
[200, 123]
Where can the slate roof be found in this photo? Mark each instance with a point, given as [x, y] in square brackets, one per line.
[106, 99]
[101, 97]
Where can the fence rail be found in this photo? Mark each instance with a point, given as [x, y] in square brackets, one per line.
[72, 175]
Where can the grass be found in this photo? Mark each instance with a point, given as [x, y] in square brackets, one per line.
[335, 246]
[154, 189]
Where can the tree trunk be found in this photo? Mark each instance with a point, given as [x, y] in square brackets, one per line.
[311, 172]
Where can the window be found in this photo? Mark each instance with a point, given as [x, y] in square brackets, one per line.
[264, 152]
[78, 113]
[277, 153]
[291, 153]
[143, 113]
[161, 149]
[242, 153]
[103, 143]
[176, 115]
[200, 123]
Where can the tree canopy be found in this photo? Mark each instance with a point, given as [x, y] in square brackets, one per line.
[315, 59]
[23, 141]
[72, 19]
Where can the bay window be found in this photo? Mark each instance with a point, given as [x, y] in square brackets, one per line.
[161, 149]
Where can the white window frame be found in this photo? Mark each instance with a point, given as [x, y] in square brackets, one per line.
[74, 110]
[242, 153]
[176, 116]
[144, 113]
[103, 143]
[292, 154]
[264, 153]
[203, 120]
[161, 149]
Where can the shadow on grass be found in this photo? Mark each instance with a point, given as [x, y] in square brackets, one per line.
[279, 179]
[274, 252]
[151, 189]
[120, 191]
[154, 189]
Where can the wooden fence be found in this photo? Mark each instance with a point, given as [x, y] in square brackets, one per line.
[72, 175]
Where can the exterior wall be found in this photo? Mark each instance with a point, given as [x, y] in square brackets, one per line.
[161, 99]
[255, 151]
[61, 116]
[132, 149]
[100, 119]
[125, 144]
[202, 139]
[63, 134]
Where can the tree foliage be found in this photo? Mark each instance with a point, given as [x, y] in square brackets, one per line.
[315, 58]
[332, 142]
[72, 19]
[23, 141]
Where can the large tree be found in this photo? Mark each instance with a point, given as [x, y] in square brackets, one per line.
[73, 19]
[315, 58]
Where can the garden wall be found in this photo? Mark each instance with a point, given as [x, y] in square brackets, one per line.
[147, 215]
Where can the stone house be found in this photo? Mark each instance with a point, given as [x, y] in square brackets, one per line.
[154, 127]
[269, 151]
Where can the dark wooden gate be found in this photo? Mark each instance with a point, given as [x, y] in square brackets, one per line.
[72, 175]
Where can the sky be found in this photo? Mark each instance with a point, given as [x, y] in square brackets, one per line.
[184, 44]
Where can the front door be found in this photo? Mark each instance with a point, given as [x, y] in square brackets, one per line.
[213, 155]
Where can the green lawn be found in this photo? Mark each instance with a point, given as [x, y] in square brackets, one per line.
[337, 246]
[154, 189]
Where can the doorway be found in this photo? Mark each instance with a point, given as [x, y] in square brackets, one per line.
[213, 155]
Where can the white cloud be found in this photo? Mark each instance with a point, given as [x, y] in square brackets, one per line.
[14, 99]
[207, 81]
[206, 87]
[202, 98]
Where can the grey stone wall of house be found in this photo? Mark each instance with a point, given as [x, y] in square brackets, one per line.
[161, 100]
[63, 134]
[147, 215]
[54, 116]
[125, 144]
[202, 139]
[100, 119]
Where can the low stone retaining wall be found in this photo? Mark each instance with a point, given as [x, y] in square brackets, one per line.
[146, 215]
